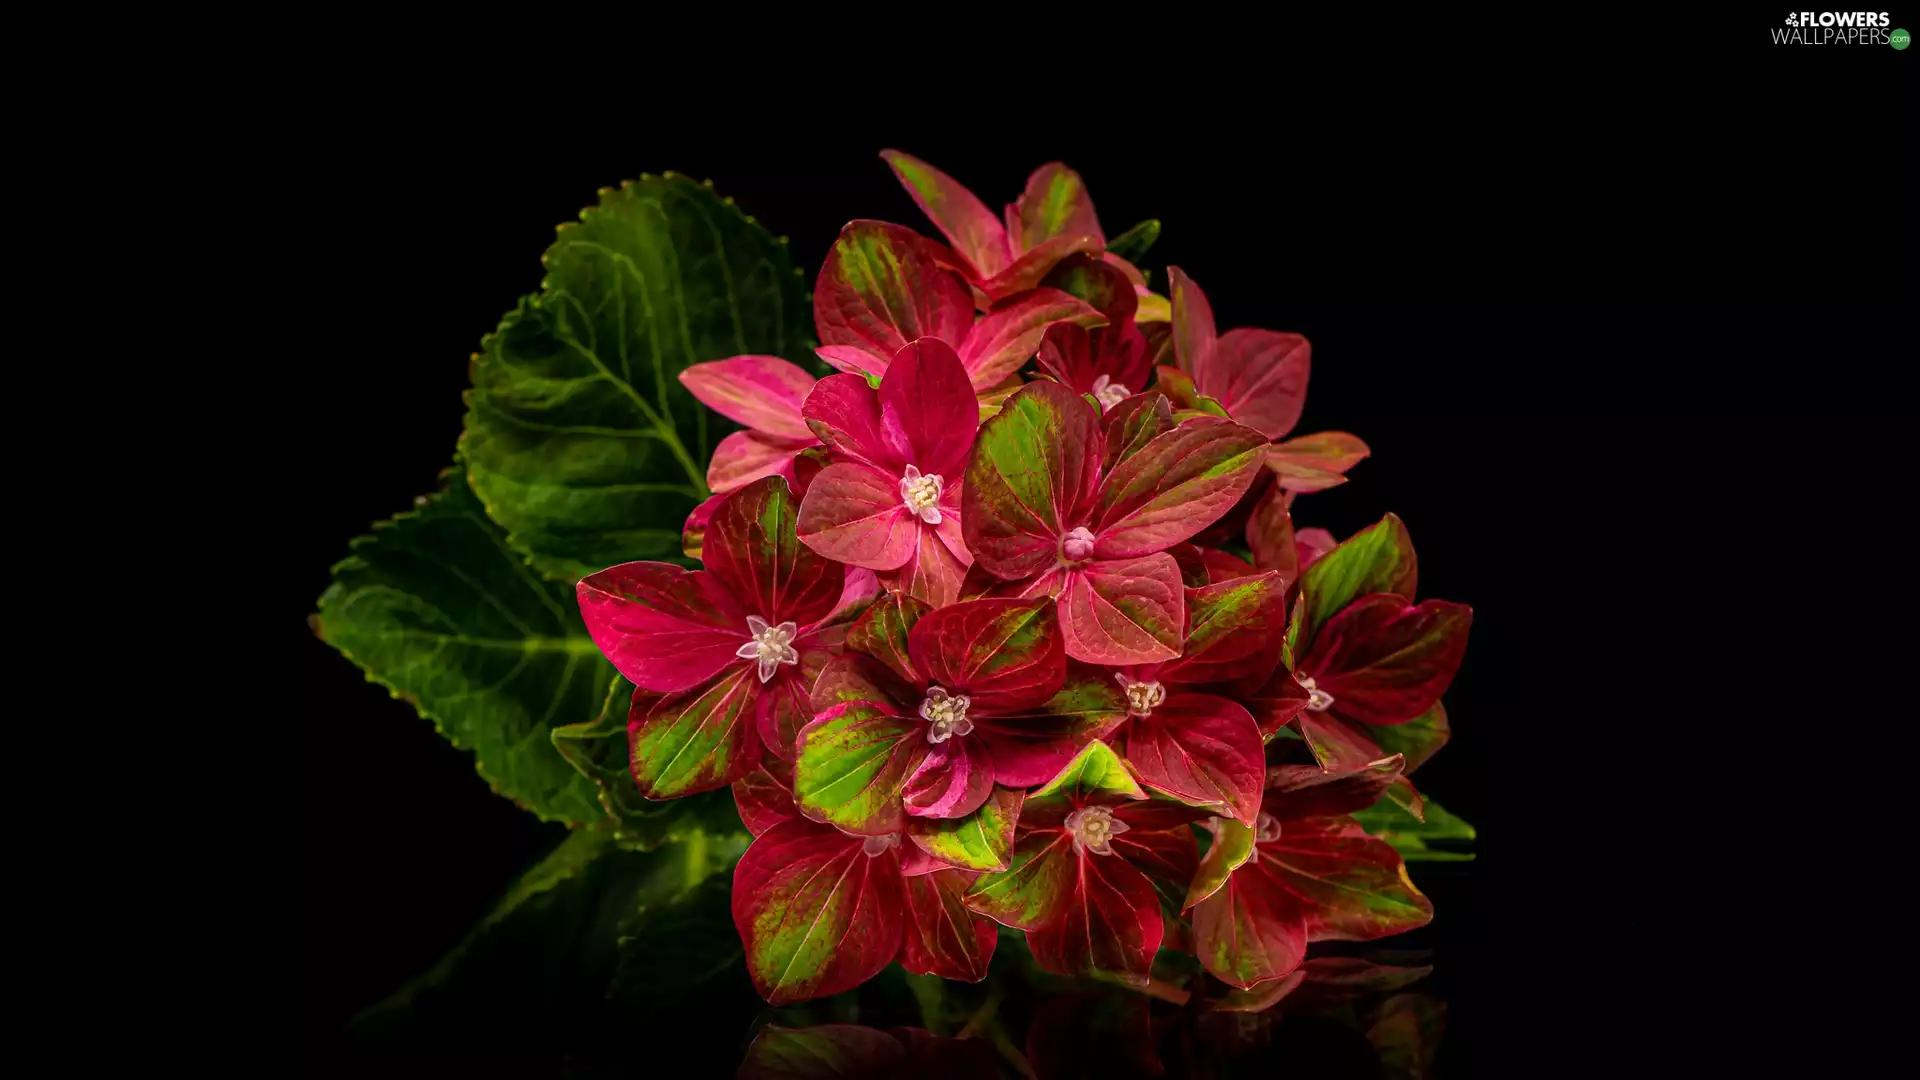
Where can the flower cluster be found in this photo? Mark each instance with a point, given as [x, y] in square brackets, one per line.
[975, 644]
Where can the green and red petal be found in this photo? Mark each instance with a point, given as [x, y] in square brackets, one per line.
[815, 912]
[1173, 487]
[752, 550]
[1234, 628]
[882, 287]
[975, 232]
[1377, 559]
[853, 763]
[980, 840]
[697, 739]
[1033, 463]
[1005, 654]
[1011, 331]
[1385, 661]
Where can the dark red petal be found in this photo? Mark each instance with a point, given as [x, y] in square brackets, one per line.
[1386, 662]
[942, 936]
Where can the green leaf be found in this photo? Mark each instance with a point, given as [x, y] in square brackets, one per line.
[1134, 244]
[1377, 559]
[598, 748]
[1095, 770]
[579, 437]
[1415, 839]
[436, 608]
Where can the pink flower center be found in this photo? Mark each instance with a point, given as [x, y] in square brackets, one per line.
[1077, 545]
[1317, 699]
[1093, 829]
[1142, 695]
[771, 646]
[921, 494]
[946, 714]
[1108, 393]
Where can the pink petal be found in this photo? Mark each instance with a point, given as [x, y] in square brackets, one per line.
[952, 781]
[763, 800]
[881, 288]
[760, 392]
[970, 227]
[781, 710]
[853, 359]
[845, 413]
[664, 628]
[1124, 611]
[1260, 376]
[933, 573]
[1312, 544]
[746, 456]
[927, 409]
[853, 514]
[1009, 334]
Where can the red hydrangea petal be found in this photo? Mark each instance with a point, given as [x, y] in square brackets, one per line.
[853, 514]
[663, 627]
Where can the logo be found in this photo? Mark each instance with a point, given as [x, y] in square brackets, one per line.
[1838, 28]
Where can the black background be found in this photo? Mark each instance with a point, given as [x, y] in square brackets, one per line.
[1626, 336]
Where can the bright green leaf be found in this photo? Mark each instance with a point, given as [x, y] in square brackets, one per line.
[1095, 770]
